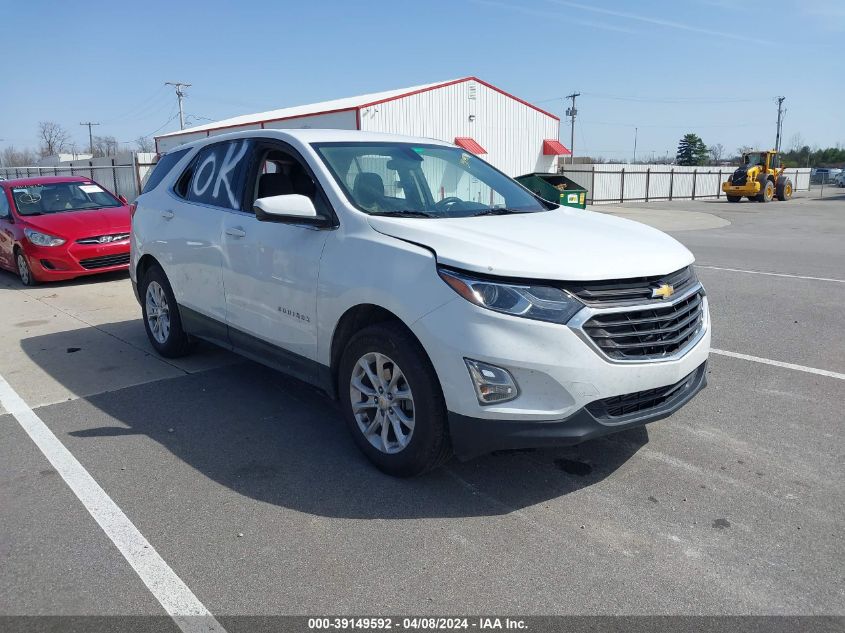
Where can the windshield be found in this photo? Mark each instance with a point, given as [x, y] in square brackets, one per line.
[58, 197]
[755, 158]
[405, 179]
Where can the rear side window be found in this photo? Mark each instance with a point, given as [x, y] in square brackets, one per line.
[219, 174]
[163, 167]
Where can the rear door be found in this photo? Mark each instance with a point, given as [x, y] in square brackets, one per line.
[270, 268]
[209, 190]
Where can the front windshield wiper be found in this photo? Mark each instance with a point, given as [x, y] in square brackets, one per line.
[497, 211]
[405, 214]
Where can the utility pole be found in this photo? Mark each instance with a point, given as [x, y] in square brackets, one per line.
[780, 122]
[180, 94]
[635, 144]
[90, 135]
[571, 112]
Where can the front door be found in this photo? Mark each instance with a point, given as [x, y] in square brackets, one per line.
[270, 269]
[7, 237]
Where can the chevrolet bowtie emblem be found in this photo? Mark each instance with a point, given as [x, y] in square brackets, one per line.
[664, 291]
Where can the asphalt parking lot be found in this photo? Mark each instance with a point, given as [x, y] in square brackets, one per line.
[248, 486]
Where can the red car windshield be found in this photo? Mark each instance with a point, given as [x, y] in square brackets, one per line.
[59, 197]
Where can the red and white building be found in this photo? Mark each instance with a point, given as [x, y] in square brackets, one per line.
[510, 133]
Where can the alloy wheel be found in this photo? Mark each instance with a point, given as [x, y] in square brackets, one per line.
[158, 312]
[382, 402]
[23, 270]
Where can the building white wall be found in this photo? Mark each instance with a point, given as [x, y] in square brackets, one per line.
[510, 131]
[332, 120]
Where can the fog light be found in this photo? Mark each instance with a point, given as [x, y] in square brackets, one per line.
[492, 384]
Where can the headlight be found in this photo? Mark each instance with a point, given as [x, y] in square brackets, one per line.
[42, 239]
[543, 303]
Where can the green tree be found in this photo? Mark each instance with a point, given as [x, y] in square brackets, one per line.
[691, 151]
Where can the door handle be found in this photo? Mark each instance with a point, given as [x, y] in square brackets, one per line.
[236, 232]
[167, 215]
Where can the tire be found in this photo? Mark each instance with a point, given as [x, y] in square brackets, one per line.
[734, 198]
[412, 450]
[161, 315]
[24, 271]
[784, 189]
[767, 193]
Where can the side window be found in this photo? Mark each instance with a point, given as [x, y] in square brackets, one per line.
[218, 174]
[162, 168]
[278, 172]
[4, 204]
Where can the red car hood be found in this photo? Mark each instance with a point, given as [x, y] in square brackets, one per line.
[72, 225]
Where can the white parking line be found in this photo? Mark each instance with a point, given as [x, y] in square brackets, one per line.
[759, 272]
[189, 614]
[778, 363]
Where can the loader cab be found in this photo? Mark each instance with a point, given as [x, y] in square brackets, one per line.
[763, 159]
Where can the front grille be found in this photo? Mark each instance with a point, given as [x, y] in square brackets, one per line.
[103, 239]
[646, 401]
[651, 333]
[105, 262]
[638, 290]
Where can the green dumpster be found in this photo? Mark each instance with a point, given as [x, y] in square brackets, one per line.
[555, 188]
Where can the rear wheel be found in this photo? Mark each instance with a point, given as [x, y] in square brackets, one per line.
[392, 401]
[767, 192]
[25, 272]
[784, 189]
[161, 315]
[734, 198]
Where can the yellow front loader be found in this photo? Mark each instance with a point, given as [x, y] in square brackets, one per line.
[760, 178]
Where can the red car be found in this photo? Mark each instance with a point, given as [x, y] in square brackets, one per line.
[55, 228]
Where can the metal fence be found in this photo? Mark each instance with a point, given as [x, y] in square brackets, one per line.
[606, 184]
[121, 179]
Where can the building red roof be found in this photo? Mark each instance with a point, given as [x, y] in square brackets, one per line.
[552, 147]
[469, 144]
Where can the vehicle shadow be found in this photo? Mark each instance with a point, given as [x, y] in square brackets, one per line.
[277, 440]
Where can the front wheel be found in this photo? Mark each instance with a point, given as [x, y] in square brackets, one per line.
[392, 401]
[25, 272]
[734, 198]
[161, 315]
[767, 192]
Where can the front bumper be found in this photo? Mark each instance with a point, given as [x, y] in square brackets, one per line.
[750, 188]
[475, 436]
[53, 263]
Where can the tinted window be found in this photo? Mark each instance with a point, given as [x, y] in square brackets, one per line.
[219, 173]
[163, 167]
[4, 204]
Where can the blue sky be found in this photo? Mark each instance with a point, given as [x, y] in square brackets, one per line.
[707, 66]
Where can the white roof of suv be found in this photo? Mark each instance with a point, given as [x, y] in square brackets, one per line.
[314, 135]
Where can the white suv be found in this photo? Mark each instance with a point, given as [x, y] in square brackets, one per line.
[448, 308]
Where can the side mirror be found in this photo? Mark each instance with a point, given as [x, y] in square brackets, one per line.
[287, 207]
[123, 199]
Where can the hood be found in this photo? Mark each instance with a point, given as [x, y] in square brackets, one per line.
[73, 225]
[561, 245]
